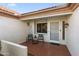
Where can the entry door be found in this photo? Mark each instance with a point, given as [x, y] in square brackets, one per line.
[54, 32]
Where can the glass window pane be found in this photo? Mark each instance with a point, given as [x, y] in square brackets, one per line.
[42, 28]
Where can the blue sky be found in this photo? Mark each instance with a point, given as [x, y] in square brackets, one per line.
[27, 7]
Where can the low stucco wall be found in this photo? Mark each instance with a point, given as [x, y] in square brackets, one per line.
[12, 49]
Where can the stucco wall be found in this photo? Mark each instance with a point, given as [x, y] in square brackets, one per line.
[73, 33]
[12, 29]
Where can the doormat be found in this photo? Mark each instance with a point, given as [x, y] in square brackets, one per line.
[55, 44]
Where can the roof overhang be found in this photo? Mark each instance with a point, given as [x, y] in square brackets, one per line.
[61, 14]
[46, 9]
[65, 10]
[48, 12]
[4, 11]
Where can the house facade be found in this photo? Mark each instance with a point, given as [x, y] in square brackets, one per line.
[57, 24]
[50, 27]
[51, 22]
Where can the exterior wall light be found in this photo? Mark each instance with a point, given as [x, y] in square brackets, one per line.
[66, 25]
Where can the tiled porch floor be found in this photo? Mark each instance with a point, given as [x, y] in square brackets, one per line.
[46, 49]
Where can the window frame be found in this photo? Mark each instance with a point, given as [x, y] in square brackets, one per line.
[42, 31]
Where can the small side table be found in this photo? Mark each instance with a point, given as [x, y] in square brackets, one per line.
[35, 40]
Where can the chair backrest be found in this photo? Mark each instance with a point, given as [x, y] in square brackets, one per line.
[30, 36]
[40, 37]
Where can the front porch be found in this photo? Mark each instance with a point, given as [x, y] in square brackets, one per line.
[46, 49]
